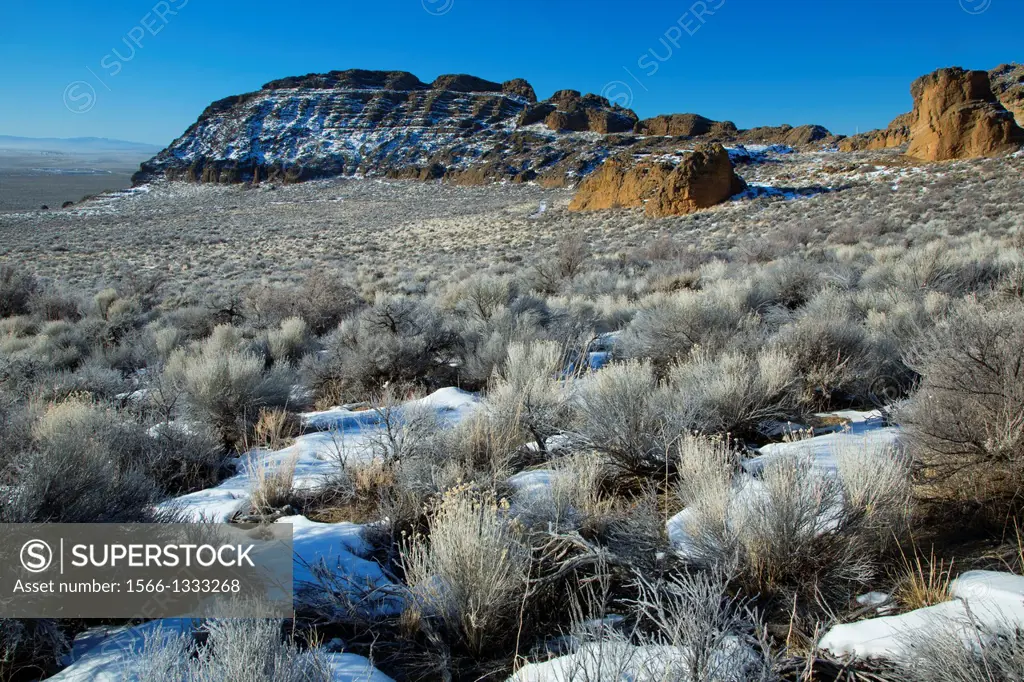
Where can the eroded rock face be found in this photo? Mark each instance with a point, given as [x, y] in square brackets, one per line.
[698, 127]
[701, 179]
[390, 123]
[685, 125]
[957, 116]
[571, 111]
[896, 135]
[1008, 85]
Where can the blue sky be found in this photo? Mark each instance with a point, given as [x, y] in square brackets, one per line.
[846, 64]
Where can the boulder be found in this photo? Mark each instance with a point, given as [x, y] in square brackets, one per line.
[957, 116]
[703, 178]
[1008, 86]
[684, 125]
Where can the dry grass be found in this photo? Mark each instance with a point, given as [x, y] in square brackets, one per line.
[275, 429]
[922, 581]
[272, 484]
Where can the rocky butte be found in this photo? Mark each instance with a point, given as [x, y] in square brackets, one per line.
[468, 130]
[458, 128]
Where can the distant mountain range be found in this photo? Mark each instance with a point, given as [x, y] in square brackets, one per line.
[75, 145]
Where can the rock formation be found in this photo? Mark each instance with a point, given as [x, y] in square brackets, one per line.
[957, 116]
[663, 187]
[389, 123]
[1008, 86]
[568, 110]
[896, 135]
[459, 128]
[694, 126]
[686, 125]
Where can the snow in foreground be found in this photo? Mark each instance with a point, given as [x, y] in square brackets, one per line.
[989, 600]
[339, 547]
[101, 655]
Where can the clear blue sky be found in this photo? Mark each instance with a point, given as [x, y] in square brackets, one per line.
[845, 64]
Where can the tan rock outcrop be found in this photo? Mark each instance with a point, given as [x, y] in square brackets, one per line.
[700, 180]
[957, 116]
[896, 135]
[685, 125]
[800, 136]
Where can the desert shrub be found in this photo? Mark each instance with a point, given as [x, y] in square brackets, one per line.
[527, 390]
[834, 358]
[397, 340]
[965, 424]
[961, 652]
[30, 647]
[166, 340]
[124, 317]
[61, 345]
[788, 283]
[267, 306]
[484, 344]
[736, 393]
[242, 650]
[716, 636]
[479, 449]
[290, 342]
[564, 262]
[483, 296]
[325, 300]
[134, 350]
[671, 328]
[187, 458]
[624, 412]
[573, 498]
[405, 430]
[52, 303]
[683, 627]
[877, 491]
[193, 322]
[797, 531]
[101, 383]
[85, 465]
[468, 578]
[16, 291]
[226, 388]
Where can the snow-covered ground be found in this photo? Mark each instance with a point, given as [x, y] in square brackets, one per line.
[100, 655]
[865, 433]
[992, 600]
[338, 547]
[988, 600]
